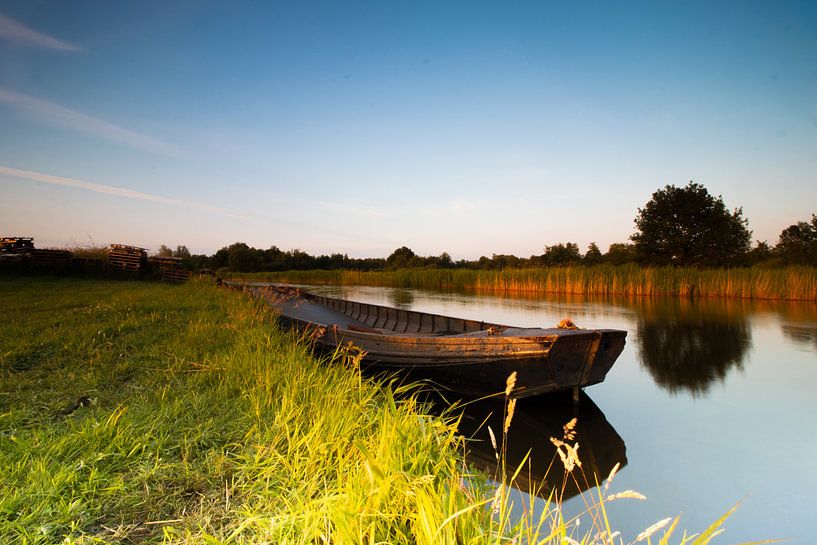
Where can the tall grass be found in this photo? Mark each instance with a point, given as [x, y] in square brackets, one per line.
[791, 283]
[147, 413]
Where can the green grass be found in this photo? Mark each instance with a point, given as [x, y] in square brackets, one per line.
[791, 283]
[149, 413]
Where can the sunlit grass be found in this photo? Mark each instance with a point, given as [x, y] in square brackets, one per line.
[147, 413]
[791, 283]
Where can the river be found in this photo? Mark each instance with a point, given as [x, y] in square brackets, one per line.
[711, 403]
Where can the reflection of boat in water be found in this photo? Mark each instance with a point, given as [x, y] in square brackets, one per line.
[535, 421]
[466, 356]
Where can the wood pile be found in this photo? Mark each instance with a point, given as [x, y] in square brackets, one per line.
[20, 252]
[50, 257]
[176, 275]
[170, 268]
[16, 245]
[88, 264]
[126, 258]
[88, 260]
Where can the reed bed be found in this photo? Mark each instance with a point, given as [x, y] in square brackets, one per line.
[147, 413]
[791, 283]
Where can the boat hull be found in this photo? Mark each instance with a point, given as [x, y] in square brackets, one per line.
[464, 356]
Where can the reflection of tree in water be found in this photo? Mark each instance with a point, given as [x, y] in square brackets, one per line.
[687, 345]
[401, 298]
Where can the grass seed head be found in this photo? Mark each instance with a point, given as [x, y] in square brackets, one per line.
[493, 442]
[627, 494]
[569, 454]
[652, 529]
[510, 383]
[611, 475]
[509, 416]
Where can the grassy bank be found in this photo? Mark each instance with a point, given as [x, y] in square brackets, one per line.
[147, 413]
[791, 283]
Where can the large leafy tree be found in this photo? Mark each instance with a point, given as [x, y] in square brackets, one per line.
[798, 243]
[687, 226]
[401, 258]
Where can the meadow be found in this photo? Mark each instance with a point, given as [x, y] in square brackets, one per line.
[138, 412]
[790, 283]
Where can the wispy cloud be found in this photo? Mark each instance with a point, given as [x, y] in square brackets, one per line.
[357, 208]
[460, 208]
[61, 116]
[118, 192]
[18, 33]
[465, 206]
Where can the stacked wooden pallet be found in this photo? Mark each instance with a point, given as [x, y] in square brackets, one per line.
[16, 245]
[88, 261]
[176, 275]
[91, 265]
[50, 257]
[160, 262]
[170, 268]
[126, 258]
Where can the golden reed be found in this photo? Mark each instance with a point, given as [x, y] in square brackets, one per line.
[790, 283]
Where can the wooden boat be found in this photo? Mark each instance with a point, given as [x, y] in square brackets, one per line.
[465, 356]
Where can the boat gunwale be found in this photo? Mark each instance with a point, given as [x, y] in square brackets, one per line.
[538, 334]
[482, 341]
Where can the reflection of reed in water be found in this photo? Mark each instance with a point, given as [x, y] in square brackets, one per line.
[689, 344]
[800, 324]
[535, 421]
[801, 333]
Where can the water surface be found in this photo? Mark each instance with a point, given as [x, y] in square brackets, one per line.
[711, 403]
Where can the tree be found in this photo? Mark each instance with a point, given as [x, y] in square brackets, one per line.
[619, 253]
[686, 226]
[761, 253]
[562, 254]
[182, 251]
[242, 258]
[400, 258]
[164, 251]
[798, 243]
[593, 255]
[505, 261]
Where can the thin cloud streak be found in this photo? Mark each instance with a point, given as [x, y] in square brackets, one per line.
[118, 192]
[18, 33]
[59, 115]
[356, 208]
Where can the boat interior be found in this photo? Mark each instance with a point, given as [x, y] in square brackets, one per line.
[368, 318]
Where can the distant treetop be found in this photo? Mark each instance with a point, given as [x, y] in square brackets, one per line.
[686, 226]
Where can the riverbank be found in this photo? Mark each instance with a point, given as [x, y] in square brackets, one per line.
[791, 283]
[146, 412]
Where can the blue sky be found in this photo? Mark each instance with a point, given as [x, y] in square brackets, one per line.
[356, 127]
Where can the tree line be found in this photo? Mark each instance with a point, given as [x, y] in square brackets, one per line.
[679, 226]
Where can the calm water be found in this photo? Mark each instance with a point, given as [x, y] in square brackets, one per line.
[711, 403]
